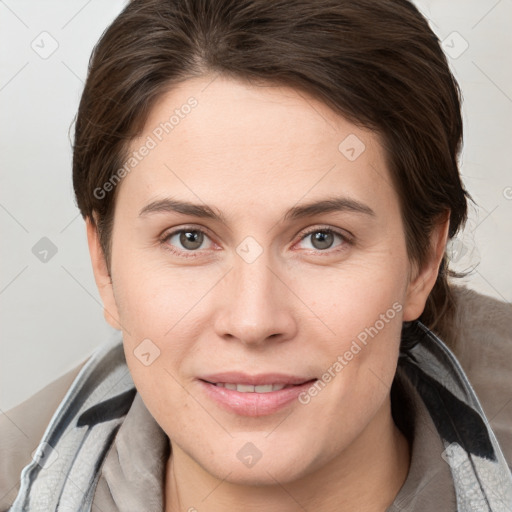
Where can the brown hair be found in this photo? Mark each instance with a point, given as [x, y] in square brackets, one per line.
[375, 62]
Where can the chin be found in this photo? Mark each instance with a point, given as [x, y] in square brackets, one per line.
[261, 474]
[242, 463]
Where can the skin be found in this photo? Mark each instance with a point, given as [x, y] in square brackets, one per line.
[252, 153]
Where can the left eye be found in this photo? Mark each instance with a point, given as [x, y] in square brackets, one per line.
[321, 239]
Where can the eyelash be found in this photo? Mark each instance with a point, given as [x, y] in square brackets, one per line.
[346, 240]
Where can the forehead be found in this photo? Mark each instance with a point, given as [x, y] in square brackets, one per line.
[222, 138]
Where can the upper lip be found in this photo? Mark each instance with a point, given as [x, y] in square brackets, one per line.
[255, 380]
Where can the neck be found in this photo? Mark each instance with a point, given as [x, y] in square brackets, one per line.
[365, 477]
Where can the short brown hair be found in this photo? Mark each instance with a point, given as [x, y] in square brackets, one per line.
[375, 62]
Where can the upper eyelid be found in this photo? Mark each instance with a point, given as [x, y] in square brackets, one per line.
[338, 231]
[172, 231]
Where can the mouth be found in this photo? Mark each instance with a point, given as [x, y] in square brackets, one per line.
[257, 395]
[249, 388]
[261, 379]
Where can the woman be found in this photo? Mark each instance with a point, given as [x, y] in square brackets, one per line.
[268, 189]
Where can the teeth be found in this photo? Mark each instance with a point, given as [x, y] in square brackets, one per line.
[264, 388]
[247, 388]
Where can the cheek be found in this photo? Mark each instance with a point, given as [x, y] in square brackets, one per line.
[352, 299]
[153, 297]
[162, 315]
[359, 363]
[361, 310]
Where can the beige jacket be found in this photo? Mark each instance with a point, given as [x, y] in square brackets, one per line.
[483, 344]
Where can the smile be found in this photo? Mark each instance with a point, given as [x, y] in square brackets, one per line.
[253, 399]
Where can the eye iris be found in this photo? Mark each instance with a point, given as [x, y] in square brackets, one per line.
[191, 239]
[322, 239]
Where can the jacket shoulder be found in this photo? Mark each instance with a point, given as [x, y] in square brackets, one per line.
[483, 345]
[21, 429]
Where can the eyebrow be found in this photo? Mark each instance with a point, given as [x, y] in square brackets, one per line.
[184, 207]
[336, 204]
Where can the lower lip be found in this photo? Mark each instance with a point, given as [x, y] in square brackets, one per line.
[253, 404]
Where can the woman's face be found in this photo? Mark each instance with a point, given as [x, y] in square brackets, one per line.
[259, 233]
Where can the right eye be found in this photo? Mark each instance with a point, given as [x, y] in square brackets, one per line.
[181, 241]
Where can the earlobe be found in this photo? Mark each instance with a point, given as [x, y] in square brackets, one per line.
[424, 278]
[101, 275]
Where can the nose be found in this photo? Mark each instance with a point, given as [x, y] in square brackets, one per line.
[255, 305]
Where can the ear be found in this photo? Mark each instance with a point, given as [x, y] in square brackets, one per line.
[101, 275]
[423, 279]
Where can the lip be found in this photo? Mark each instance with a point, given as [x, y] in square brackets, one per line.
[256, 380]
[254, 404]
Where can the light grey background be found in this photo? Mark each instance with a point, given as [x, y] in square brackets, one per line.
[51, 314]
